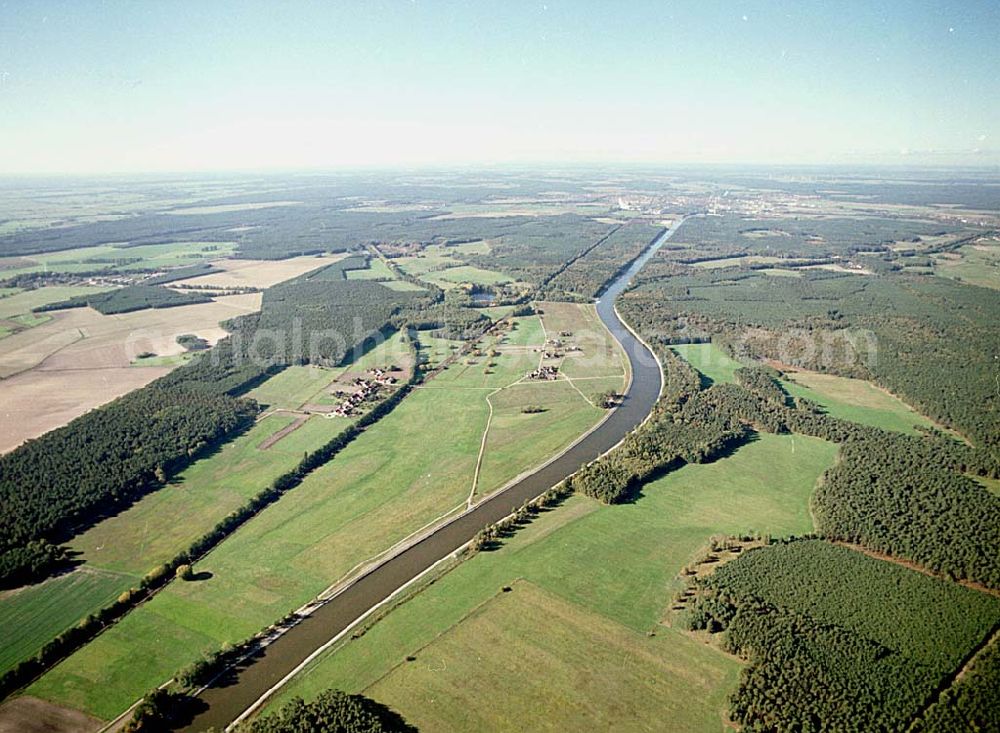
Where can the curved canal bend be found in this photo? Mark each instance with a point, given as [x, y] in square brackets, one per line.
[228, 698]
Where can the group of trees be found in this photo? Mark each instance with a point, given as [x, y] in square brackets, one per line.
[128, 299]
[931, 341]
[587, 275]
[971, 703]
[332, 711]
[492, 536]
[100, 462]
[836, 640]
[684, 428]
[533, 249]
[317, 321]
[182, 273]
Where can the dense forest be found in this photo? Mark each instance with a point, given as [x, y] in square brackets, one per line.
[100, 462]
[929, 340]
[586, 276]
[128, 299]
[892, 496]
[733, 235]
[836, 640]
[971, 703]
[182, 273]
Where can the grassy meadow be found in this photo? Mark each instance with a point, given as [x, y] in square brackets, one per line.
[376, 270]
[20, 304]
[710, 360]
[589, 582]
[855, 400]
[437, 264]
[42, 611]
[848, 399]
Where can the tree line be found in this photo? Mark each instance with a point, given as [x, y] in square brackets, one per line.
[128, 299]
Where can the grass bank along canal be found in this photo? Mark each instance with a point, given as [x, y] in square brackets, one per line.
[238, 690]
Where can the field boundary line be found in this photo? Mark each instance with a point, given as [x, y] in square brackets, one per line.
[588, 400]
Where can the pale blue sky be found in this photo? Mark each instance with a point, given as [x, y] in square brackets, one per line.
[88, 86]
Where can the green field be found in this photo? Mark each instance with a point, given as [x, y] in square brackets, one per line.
[978, 264]
[434, 349]
[157, 527]
[381, 488]
[468, 679]
[163, 361]
[589, 582]
[23, 302]
[564, 414]
[855, 400]
[294, 386]
[436, 264]
[737, 261]
[710, 360]
[43, 611]
[128, 545]
[465, 274]
[849, 399]
[780, 272]
[376, 270]
[402, 286]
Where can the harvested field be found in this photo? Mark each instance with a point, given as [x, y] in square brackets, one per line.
[258, 273]
[83, 339]
[37, 401]
[31, 715]
[80, 359]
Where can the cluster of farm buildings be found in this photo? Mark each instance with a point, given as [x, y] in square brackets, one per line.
[364, 388]
[546, 372]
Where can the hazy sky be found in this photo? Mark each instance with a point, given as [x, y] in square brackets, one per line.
[119, 86]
